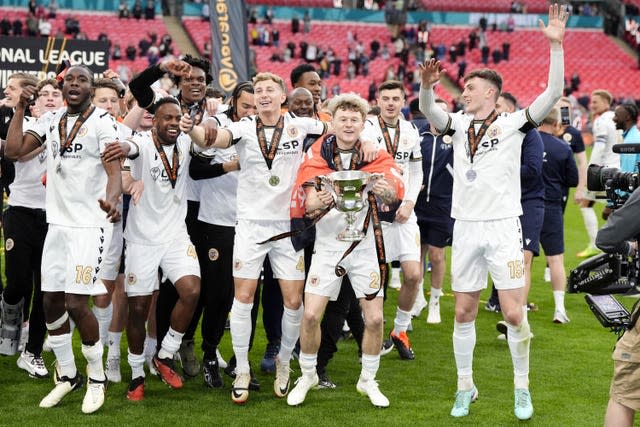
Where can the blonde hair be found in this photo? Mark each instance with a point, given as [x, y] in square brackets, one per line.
[604, 94]
[261, 77]
[349, 102]
[553, 117]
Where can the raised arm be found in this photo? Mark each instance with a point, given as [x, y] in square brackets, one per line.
[140, 86]
[430, 73]
[19, 144]
[554, 32]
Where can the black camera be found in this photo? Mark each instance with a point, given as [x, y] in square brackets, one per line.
[616, 184]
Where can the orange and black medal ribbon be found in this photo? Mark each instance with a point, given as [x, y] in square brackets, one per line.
[172, 171]
[269, 155]
[474, 140]
[65, 141]
[392, 148]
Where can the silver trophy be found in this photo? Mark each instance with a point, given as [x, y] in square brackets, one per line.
[348, 188]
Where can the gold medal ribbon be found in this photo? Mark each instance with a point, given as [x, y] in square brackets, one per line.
[275, 140]
[474, 139]
[65, 141]
[172, 171]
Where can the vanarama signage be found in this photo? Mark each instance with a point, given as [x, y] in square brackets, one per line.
[230, 51]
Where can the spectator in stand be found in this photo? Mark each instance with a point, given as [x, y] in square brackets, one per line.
[44, 27]
[71, 26]
[306, 22]
[473, 40]
[153, 55]
[137, 10]
[117, 52]
[506, 46]
[150, 10]
[384, 53]
[497, 55]
[204, 12]
[311, 53]
[375, 47]
[32, 25]
[253, 16]
[453, 52]
[351, 71]
[123, 9]
[275, 37]
[268, 15]
[295, 24]
[462, 47]
[511, 24]
[485, 55]
[5, 26]
[130, 52]
[575, 82]
[483, 24]
[373, 90]
[53, 9]
[462, 68]
[206, 49]
[165, 46]
[33, 4]
[292, 48]
[335, 89]
[17, 27]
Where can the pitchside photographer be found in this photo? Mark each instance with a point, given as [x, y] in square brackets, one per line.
[619, 236]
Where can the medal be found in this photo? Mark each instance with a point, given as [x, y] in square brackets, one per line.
[274, 180]
[471, 175]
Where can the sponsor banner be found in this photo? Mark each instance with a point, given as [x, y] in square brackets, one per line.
[229, 44]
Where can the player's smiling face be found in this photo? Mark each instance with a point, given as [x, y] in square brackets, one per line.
[107, 99]
[390, 102]
[268, 96]
[347, 126]
[477, 92]
[77, 87]
[167, 123]
[49, 98]
[192, 88]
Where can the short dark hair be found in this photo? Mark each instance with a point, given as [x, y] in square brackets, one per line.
[201, 63]
[298, 71]
[509, 97]
[165, 100]
[104, 83]
[237, 91]
[214, 92]
[391, 85]
[491, 76]
[632, 110]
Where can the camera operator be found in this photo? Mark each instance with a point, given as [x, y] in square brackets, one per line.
[618, 236]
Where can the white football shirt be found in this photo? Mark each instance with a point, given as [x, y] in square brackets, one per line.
[488, 188]
[76, 179]
[159, 216]
[27, 189]
[605, 135]
[257, 198]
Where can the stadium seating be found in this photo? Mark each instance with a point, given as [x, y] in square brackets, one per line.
[122, 31]
[324, 35]
[292, 3]
[599, 61]
[495, 6]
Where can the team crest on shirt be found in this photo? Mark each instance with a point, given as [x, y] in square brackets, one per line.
[447, 139]
[237, 264]
[300, 264]
[8, 244]
[567, 137]
[494, 131]
[155, 172]
[213, 254]
[83, 131]
[314, 280]
[405, 142]
[292, 131]
[131, 279]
